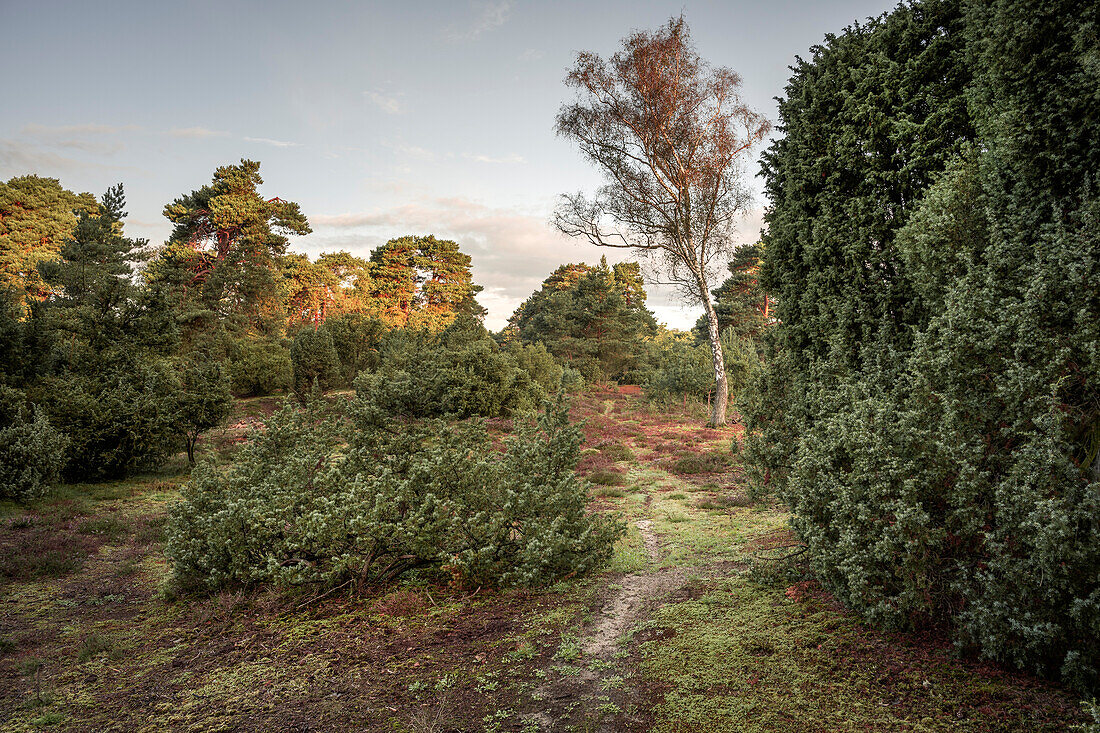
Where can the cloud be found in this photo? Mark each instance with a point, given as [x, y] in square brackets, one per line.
[37, 130]
[273, 143]
[88, 146]
[76, 137]
[510, 158]
[389, 104]
[488, 15]
[196, 132]
[531, 54]
[20, 159]
[414, 151]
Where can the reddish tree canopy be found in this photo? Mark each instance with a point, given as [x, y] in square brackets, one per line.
[670, 134]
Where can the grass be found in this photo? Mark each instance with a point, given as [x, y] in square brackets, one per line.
[724, 503]
[745, 657]
[744, 644]
[607, 477]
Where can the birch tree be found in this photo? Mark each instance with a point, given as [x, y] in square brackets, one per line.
[670, 134]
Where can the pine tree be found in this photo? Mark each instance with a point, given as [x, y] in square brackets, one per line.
[592, 318]
[740, 303]
[36, 216]
[225, 244]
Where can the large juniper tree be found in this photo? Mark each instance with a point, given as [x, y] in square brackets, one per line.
[929, 408]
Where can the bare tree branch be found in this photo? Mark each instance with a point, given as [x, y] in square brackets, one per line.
[669, 134]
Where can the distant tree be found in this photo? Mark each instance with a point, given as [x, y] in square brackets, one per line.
[348, 276]
[226, 241]
[36, 216]
[669, 134]
[311, 290]
[740, 302]
[592, 318]
[96, 299]
[422, 282]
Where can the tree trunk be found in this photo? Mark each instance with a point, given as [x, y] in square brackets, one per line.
[721, 386]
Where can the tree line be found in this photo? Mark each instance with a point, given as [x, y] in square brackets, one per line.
[115, 354]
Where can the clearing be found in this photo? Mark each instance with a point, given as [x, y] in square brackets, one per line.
[698, 624]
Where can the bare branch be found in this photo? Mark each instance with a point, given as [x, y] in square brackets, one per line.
[669, 134]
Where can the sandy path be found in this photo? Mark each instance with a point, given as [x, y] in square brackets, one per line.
[635, 598]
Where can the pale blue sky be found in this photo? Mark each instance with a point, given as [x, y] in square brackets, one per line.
[380, 118]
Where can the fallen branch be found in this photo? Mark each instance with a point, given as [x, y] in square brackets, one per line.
[317, 598]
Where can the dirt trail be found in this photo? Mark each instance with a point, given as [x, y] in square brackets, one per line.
[635, 598]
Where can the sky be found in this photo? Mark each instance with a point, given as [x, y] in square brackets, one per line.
[380, 119]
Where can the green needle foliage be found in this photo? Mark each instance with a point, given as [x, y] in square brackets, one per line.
[313, 359]
[593, 319]
[300, 506]
[930, 408]
[460, 372]
[32, 451]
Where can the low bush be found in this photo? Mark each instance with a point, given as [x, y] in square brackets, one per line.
[678, 369]
[259, 368]
[617, 452]
[460, 372]
[300, 506]
[712, 462]
[32, 451]
[607, 477]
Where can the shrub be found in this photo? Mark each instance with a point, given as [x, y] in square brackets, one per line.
[357, 339]
[313, 359]
[680, 369]
[930, 411]
[259, 368]
[32, 451]
[298, 507]
[117, 421]
[712, 462]
[617, 451]
[460, 372]
[607, 477]
[203, 400]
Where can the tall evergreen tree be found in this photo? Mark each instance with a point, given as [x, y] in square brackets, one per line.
[107, 383]
[592, 318]
[98, 301]
[223, 250]
[36, 217]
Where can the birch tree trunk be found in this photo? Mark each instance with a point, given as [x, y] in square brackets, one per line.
[721, 385]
